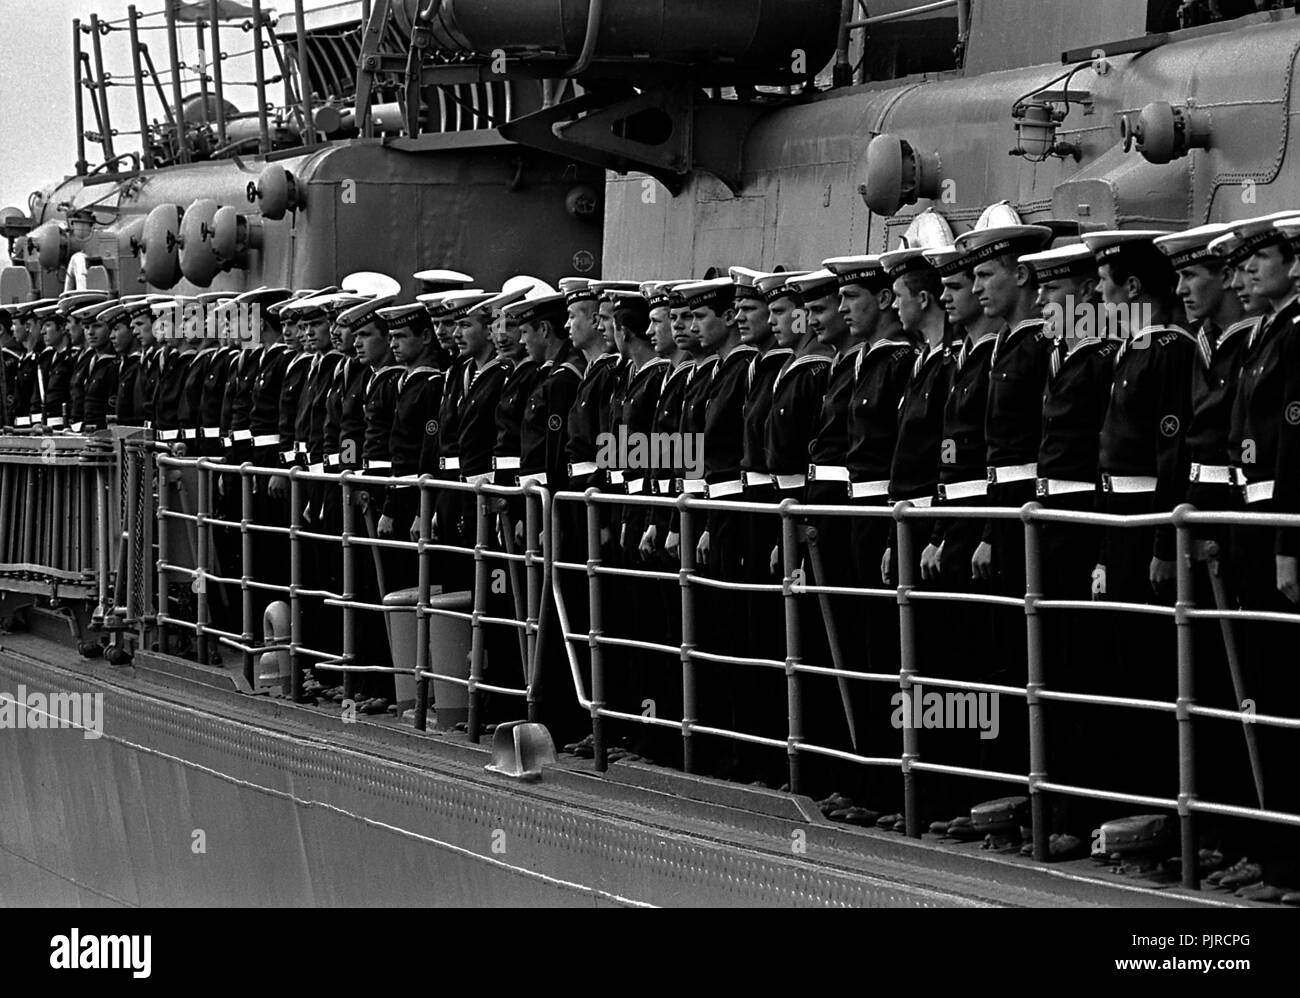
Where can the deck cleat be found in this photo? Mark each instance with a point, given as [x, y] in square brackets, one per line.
[999, 822]
[1133, 844]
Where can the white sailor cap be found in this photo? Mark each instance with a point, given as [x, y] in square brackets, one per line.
[815, 285]
[576, 289]
[1113, 243]
[898, 262]
[865, 270]
[1192, 245]
[371, 284]
[534, 287]
[1074, 260]
[1249, 235]
[780, 285]
[718, 294]
[989, 243]
[946, 260]
[746, 282]
[436, 280]
[532, 309]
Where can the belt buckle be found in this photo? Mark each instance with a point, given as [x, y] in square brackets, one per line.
[942, 491]
[993, 475]
[1040, 488]
[1195, 472]
[1105, 481]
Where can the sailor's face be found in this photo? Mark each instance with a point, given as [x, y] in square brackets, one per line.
[1112, 293]
[447, 335]
[76, 332]
[371, 345]
[860, 310]
[533, 337]
[1201, 289]
[472, 334]
[996, 287]
[407, 344]
[99, 335]
[910, 305]
[52, 333]
[826, 320]
[1269, 273]
[318, 334]
[1239, 283]
[661, 333]
[582, 325]
[605, 319]
[787, 322]
[958, 299]
[710, 326]
[753, 318]
[683, 334]
[123, 337]
[162, 327]
[142, 328]
[506, 336]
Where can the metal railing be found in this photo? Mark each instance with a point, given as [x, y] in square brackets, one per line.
[911, 762]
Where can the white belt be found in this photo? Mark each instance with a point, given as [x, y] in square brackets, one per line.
[55, 422]
[333, 460]
[1062, 486]
[1259, 491]
[695, 486]
[169, 434]
[76, 427]
[449, 464]
[827, 473]
[239, 436]
[924, 502]
[755, 479]
[663, 486]
[1212, 474]
[635, 486]
[579, 468]
[1128, 484]
[720, 490]
[211, 432]
[300, 447]
[616, 478]
[189, 434]
[316, 469]
[476, 479]
[963, 490]
[379, 466]
[791, 481]
[267, 440]
[865, 490]
[287, 456]
[1013, 473]
[537, 479]
[227, 442]
[22, 421]
[505, 464]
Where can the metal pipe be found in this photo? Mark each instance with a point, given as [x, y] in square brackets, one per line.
[907, 669]
[203, 75]
[1186, 698]
[133, 17]
[178, 116]
[295, 583]
[900, 15]
[157, 84]
[1035, 681]
[106, 140]
[594, 632]
[425, 581]
[79, 111]
[595, 12]
[482, 533]
[246, 570]
[690, 716]
[842, 74]
[263, 127]
[349, 589]
[164, 491]
[534, 581]
[201, 561]
[304, 78]
[794, 700]
[217, 84]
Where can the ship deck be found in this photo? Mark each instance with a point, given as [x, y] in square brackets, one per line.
[199, 794]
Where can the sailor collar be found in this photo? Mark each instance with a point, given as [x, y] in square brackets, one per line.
[646, 369]
[806, 360]
[741, 350]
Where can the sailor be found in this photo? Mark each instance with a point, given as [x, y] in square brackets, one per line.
[1262, 436]
[29, 383]
[524, 375]
[152, 348]
[435, 284]
[200, 347]
[134, 318]
[258, 335]
[1144, 469]
[595, 393]
[179, 323]
[58, 379]
[10, 357]
[101, 375]
[82, 353]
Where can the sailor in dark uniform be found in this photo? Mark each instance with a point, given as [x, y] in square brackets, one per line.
[132, 318]
[1144, 467]
[10, 357]
[58, 378]
[435, 284]
[1265, 414]
[101, 375]
[28, 386]
[82, 354]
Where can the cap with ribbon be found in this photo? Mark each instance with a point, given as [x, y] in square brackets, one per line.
[70, 301]
[864, 270]
[1192, 246]
[980, 245]
[1290, 226]
[534, 287]
[1112, 244]
[1247, 237]
[746, 281]
[774, 286]
[531, 310]
[610, 290]
[815, 285]
[947, 260]
[718, 294]
[438, 302]
[22, 309]
[442, 280]
[93, 311]
[412, 315]
[576, 289]
[364, 312]
[1061, 262]
[371, 284]
[899, 262]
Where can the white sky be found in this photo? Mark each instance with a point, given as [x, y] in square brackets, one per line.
[37, 131]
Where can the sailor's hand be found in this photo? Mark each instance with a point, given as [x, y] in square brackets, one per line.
[774, 561]
[886, 559]
[1161, 574]
[605, 535]
[981, 562]
[278, 487]
[930, 562]
[519, 533]
[647, 545]
[622, 536]
[1287, 582]
[671, 544]
[1099, 582]
[385, 526]
[702, 549]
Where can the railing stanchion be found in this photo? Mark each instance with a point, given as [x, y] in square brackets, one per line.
[793, 651]
[349, 588]
[907, 666]
[690, 710]
[532, 576]
[246, 573]
[600, 749]
[163, 526]
[423, 581]
[482, 517]
[203, 557]
[1186, 699]
[295, 582]
[1035, 681]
